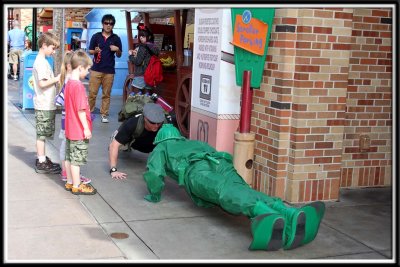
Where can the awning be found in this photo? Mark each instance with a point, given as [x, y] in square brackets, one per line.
[160, 15]
[45, 13]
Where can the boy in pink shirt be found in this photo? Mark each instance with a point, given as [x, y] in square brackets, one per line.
[78, 124]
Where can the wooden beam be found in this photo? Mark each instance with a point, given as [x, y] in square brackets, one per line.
[129, 29]
[178, 41]
[130, 38]
[184, 19]
[147, 21]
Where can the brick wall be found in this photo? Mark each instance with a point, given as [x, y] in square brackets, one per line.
[76, 14]
[369, 101]
[26, 17]
[299, 113]
[73, 14]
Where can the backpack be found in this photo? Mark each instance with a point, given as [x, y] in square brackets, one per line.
[153, 75]
[136, 133]
[139, 128]
[133, 106]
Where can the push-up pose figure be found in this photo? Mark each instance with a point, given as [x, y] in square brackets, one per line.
[210, 178]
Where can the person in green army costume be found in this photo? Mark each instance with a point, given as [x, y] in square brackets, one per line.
[210, 179]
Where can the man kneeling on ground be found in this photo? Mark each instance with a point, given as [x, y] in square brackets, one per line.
[138, 133]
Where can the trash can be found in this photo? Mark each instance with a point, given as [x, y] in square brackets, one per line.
[187, 57]
[26, 88]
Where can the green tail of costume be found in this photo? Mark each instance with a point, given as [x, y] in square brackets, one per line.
[267, 228]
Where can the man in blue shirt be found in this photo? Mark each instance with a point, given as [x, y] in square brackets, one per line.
[104, 46]
[16, 39]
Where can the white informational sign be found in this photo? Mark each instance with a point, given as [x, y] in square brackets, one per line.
[77, 24]
[206, 59]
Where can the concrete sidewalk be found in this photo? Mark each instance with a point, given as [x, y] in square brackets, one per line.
[47, 223]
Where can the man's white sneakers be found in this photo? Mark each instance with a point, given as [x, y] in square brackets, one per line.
[104, 119]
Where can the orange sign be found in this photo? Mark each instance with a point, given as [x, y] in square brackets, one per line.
[250, 36]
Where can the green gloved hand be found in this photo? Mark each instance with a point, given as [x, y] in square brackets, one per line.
[152, 198]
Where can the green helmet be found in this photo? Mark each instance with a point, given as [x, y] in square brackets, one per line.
[167, 132]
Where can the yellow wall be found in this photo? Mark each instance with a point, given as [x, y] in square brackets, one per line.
[188, 33]
[26, 17]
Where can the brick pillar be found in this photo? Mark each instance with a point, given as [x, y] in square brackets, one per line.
[299, 136]
[272, 107]
[369, 101]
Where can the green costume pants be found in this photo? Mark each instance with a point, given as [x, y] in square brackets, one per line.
[220, 184]
[273, 224]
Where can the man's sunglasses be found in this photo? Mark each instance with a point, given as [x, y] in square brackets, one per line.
[109, 23]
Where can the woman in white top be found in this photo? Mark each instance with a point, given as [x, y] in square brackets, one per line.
[83, 36]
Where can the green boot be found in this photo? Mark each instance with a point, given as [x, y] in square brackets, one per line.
[295, 219]
[267, 228]
[314, 213]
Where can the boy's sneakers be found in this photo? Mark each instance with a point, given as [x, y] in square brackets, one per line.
[83, 189]
[55, 165]
[68, 186]
[104, 119]
[15, 78]
[84, 180]
[47, 167]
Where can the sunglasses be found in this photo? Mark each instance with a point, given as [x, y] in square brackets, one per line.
[109, 23]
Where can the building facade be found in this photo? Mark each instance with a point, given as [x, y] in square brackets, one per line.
[323, 114]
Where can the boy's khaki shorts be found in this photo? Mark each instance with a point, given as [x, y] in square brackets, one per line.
[45, 124]
[76, 151]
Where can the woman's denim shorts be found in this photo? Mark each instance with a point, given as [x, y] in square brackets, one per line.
[138, 82]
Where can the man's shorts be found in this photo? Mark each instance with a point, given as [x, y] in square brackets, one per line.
[14, 55]
[76, 151]
[45, 124]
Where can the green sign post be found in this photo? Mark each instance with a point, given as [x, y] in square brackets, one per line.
[251, 33]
